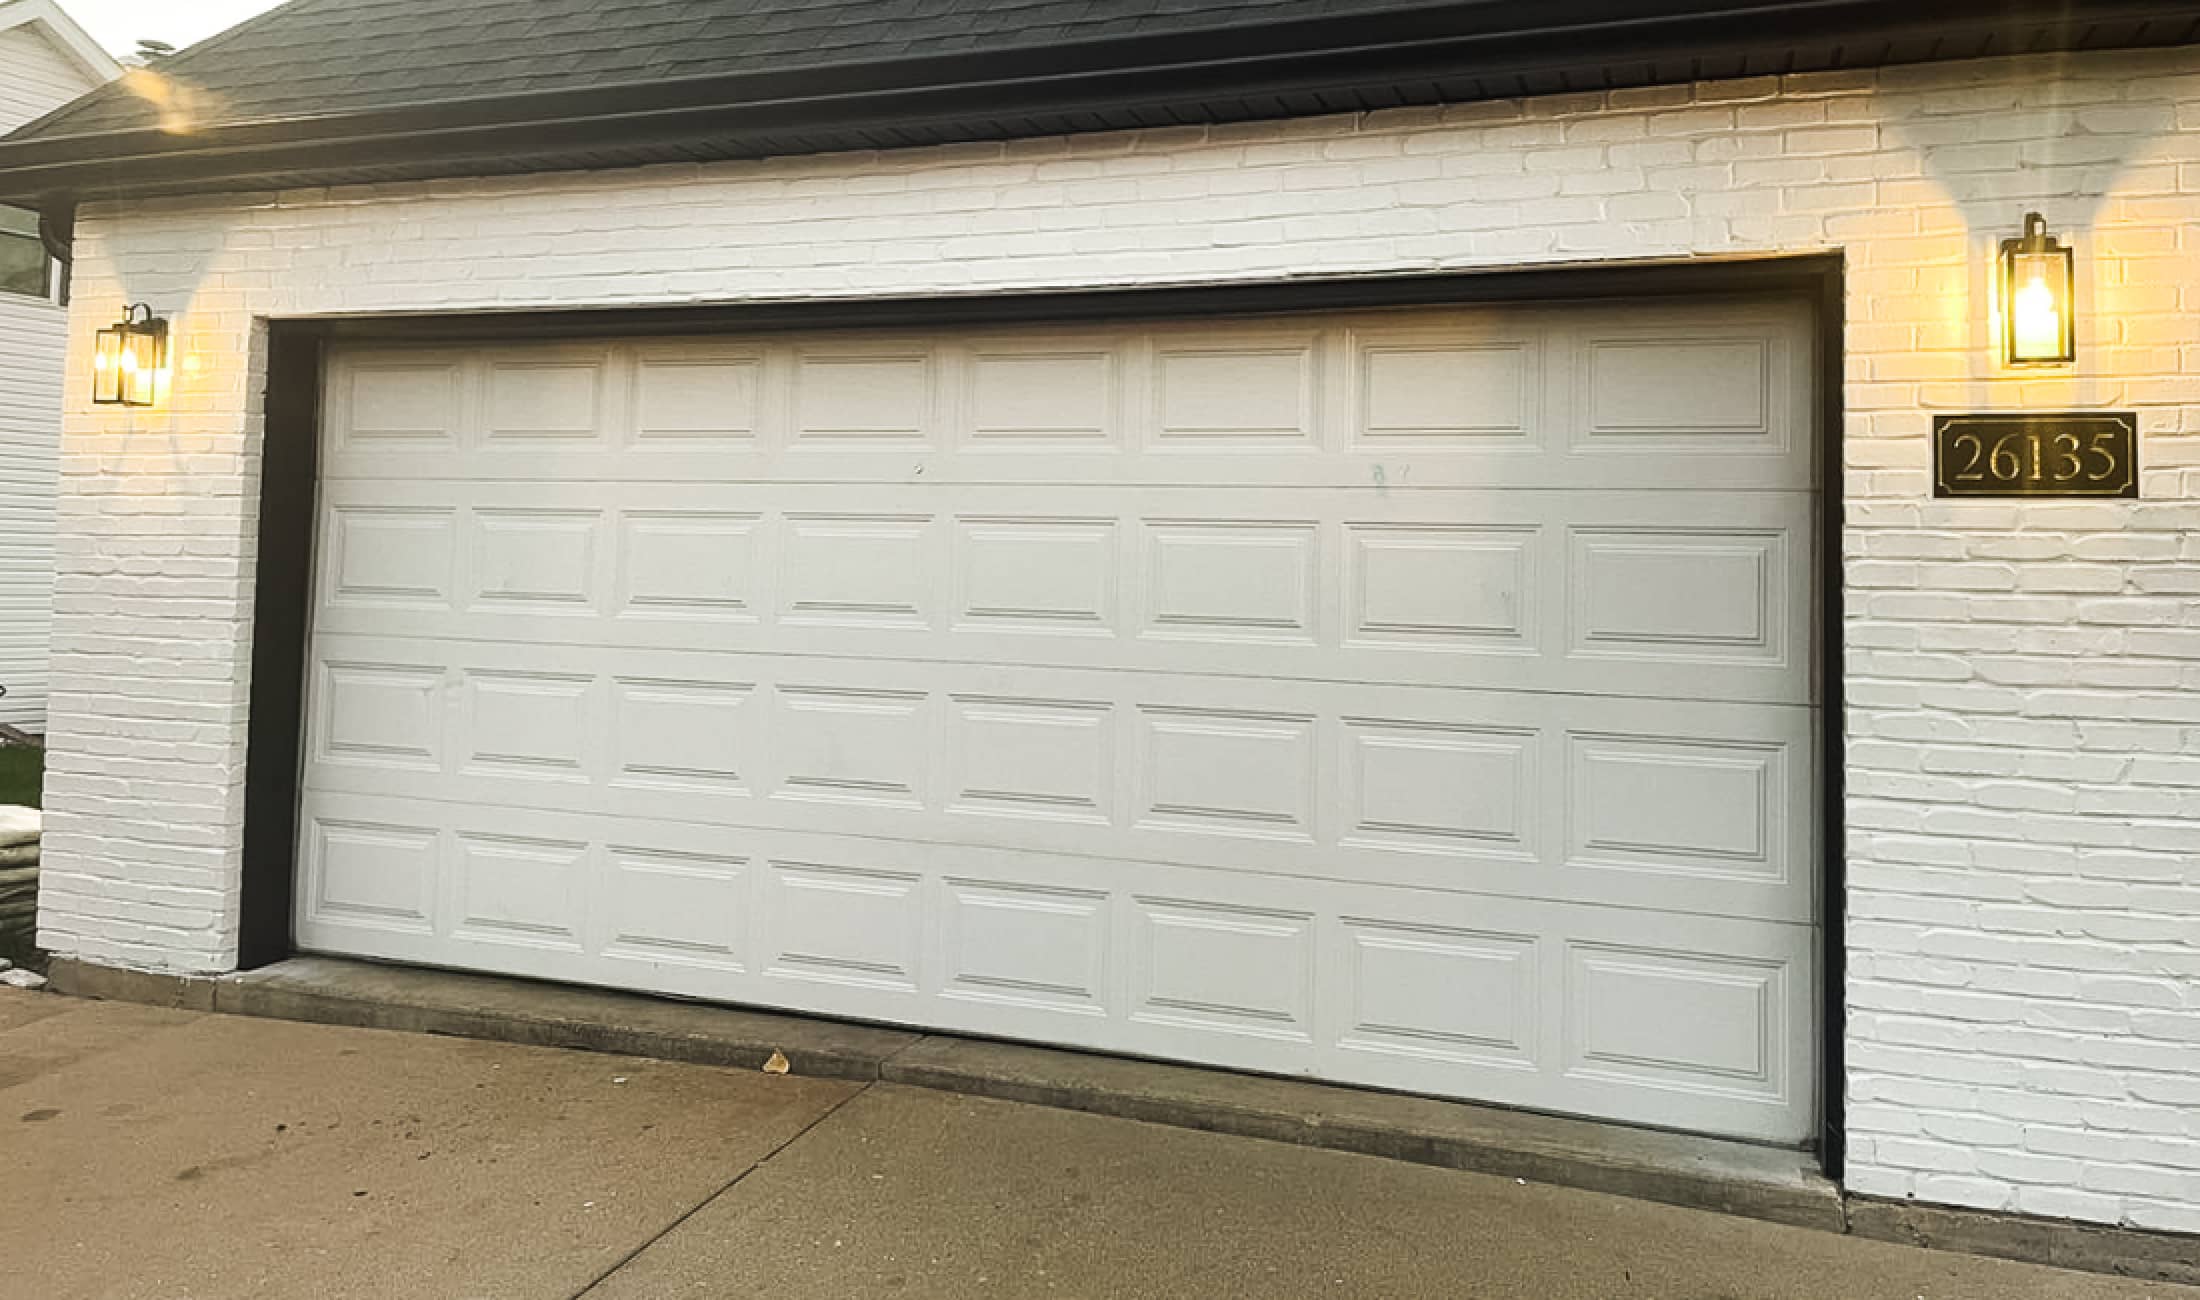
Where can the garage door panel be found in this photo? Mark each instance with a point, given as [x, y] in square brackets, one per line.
[1021, 945]
[689, 565]
[385, 712]
[857, 568]
[1421, 699]
[1681, 396]
[672, 464]
[1706, 1015]
[702, 397]
[1691, 386]
[1677, 805]
[1580, 592]
[1512, 1000]
[686, 907]
[1423, 996]
[860, 395]
[542, 560]
[383, 556]
[510, 890]
[1452, 387]
[1050, 394]
[683, 735]
[545, 401]
[378, 874]
[829, 923]
[397, 404]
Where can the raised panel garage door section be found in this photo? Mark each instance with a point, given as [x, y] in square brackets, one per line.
[1417, 699]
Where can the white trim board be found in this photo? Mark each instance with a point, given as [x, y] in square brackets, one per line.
[69, 38]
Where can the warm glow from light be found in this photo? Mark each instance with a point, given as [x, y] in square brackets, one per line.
[2038, 323]
[181, 106]
[131, 360]
[107, 367]
[2037, 283]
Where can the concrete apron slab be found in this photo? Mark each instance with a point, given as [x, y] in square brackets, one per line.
[152, 1154]
[923, 1195]
[1702, 1173]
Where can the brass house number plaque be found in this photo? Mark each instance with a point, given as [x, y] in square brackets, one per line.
[2080, 454]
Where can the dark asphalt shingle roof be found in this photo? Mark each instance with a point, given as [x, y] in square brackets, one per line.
[313, 57]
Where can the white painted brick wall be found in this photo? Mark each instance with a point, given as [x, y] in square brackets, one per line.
[2025, 693]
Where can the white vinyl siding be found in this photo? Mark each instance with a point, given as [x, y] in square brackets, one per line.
[35, 79]
[31, 350]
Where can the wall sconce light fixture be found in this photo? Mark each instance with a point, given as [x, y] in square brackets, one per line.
[2038, 283]
[131, 359]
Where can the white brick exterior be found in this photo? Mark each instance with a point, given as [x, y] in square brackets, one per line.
[2024, 693]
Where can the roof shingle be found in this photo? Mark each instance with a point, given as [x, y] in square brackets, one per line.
[312, 57]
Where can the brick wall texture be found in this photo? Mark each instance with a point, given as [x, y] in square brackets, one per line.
[2024, 678]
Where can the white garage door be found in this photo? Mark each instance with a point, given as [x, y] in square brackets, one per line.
[1418, 699]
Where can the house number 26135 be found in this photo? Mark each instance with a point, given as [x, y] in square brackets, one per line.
[2080, 454]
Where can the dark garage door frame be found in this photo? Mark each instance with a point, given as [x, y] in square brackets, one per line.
[289, 478]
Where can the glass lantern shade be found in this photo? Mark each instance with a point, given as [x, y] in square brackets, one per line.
[130, 359]
[2038, 282]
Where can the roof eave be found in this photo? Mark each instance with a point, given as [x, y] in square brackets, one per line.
[1418, 54]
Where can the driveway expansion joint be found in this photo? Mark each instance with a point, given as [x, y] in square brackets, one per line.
[596, 1283]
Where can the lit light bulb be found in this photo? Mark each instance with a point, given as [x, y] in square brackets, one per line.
[2038, 323]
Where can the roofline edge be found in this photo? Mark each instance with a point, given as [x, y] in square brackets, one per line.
[457, 137]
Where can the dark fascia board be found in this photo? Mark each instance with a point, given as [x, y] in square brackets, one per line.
[1183, 75]
[1726, 275]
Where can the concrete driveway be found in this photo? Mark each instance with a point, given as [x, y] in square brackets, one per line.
[160, 1155]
